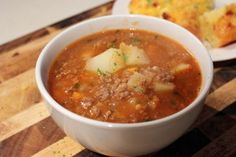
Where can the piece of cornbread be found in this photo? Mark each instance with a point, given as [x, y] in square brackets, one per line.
[218, 27]
[182, 12]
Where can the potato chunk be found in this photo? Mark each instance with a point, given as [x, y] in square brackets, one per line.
[109, 61]
[136, 82]
[134, 55]
[163, 87]
[114, 59]
[180, 67]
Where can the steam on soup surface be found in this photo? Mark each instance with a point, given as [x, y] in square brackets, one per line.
[124, 76]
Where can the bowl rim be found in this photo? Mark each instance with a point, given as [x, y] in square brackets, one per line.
[162, 121]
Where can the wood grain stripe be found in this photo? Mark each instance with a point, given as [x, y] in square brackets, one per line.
[22, 40]
[223, 91]
[223, 75]
[217, 125]
[23, 120]
[18, 94]
[32, 139]
[65, 147]
[24, 57]
[223, 146]
[223, 96]
[217, 101]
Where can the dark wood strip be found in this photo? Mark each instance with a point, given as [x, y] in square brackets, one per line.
[233, 154]
[217, 125]
[195, 139]
[206, 113]
[223, 146]
[231, 111]
[217, 101]
[225, 63]
[88, 153]
[185, 146]
[23, 40]
[31, 140]
[225, 74]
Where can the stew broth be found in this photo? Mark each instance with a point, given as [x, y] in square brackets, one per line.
[108, 96]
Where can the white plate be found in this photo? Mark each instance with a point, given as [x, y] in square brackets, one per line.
[217, 54]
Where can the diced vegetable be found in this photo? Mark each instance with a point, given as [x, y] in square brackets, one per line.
[180, 67]
[114, 59]
[77, 95]
[76, 85]
[109, 61]
[163, 87]
[87, 55]
[136, 81]
[134, 55]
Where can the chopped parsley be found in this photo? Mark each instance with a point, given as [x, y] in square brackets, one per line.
[125, 57]
[117, 31]
[100, 73]
[156, 36]
[135, 40]
[76, 85]
[118, 53]
[112, 44]
[138, 89]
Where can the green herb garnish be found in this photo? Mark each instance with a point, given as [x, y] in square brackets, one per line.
[100, 73]
[135, 40]
[89, 40]
[76, 85]
[125, 57]
[156, 36]
[117, 31]
[117, 52]
[112, 44]
[138, 89]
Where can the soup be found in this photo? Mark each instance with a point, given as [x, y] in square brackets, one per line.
[124, 76]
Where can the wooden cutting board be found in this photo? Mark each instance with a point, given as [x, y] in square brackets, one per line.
[26, 128]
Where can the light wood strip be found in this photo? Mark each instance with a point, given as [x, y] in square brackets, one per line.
[23, 57]
[23, 120]
[217, 101]
[65, 147]
[226, 93]
[223, 96]
[18, 94]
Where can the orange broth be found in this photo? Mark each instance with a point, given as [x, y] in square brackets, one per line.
[69, 82]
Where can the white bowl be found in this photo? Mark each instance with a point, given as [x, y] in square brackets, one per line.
[116, 139]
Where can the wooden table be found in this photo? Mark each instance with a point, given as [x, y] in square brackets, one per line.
[26, 128]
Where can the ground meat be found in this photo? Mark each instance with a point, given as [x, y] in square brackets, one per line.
[86, 102]
[153, 102]
[115, 86]
[94, 111]
[157, 74]
[107, 114]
